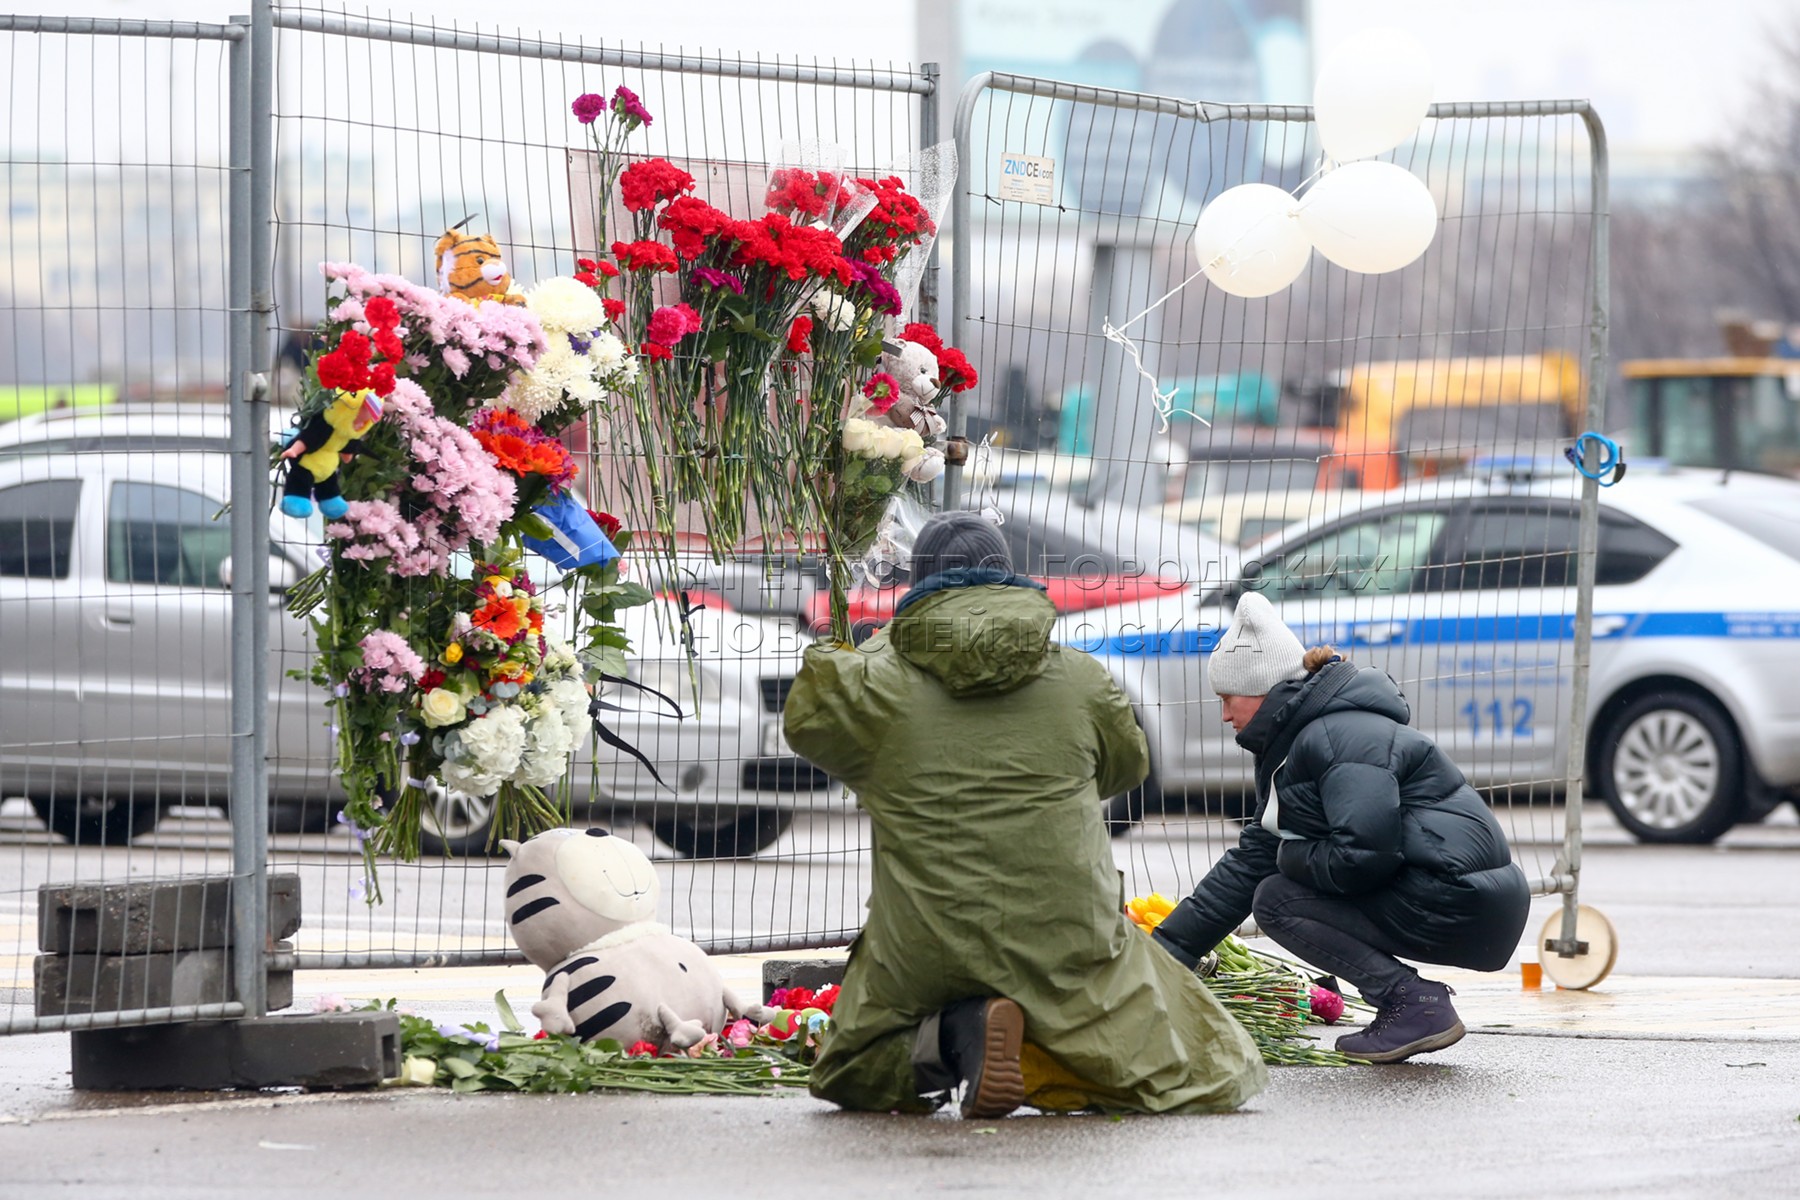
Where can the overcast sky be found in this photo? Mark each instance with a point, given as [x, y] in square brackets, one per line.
[1666, 75]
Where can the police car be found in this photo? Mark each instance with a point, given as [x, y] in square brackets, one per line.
[1464, 591]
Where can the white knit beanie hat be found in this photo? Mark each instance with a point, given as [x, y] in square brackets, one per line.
[1256, 653]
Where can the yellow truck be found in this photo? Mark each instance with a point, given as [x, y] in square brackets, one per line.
[1411, 417]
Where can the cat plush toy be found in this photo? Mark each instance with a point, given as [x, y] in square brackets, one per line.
[470, 266]
[579, 904]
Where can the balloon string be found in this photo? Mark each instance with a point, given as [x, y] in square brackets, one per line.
[1164, 402]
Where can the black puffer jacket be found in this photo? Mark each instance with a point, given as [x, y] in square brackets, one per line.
[1380, 813]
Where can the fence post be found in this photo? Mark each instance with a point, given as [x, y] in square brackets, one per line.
[248, 804]
[1568, 867]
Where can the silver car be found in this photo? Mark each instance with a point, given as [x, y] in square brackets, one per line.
[115, 673]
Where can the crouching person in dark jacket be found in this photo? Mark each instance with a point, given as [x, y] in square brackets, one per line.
[1367, 845]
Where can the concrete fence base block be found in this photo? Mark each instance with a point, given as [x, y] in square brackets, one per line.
[152, 916]
[64, 984]
[813, 973]
[326, 1051]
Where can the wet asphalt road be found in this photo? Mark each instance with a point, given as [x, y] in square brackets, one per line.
[1500, 1116]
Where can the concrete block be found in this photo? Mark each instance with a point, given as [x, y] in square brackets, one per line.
[154, 916]
[325, 1051]
[64, 984]
[813, 973]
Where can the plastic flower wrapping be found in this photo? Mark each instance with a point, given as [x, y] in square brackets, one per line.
[781, 390]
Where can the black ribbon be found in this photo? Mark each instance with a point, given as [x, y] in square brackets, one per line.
[597, 706]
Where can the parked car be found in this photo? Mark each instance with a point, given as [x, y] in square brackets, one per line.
[1239, 487]
[115, 669]
[1087, 556]
[1463, 590]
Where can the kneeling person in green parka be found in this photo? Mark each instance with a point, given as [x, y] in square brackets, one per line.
[996, 955]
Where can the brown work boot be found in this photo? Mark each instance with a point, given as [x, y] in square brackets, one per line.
[982, 1039]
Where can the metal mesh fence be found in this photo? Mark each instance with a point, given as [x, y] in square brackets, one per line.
[115, 553]
[1413, 422]
[1375, 408]
[388, 133]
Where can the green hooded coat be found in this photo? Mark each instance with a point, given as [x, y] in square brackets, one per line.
[980, 752]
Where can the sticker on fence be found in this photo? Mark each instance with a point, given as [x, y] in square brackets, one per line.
[1027, 179]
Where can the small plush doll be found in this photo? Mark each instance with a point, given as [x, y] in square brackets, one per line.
[470, 266]
[314, 453]
[579, 904]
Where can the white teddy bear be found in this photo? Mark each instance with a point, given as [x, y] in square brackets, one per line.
[916, 369]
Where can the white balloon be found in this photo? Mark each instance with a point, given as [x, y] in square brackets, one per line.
[1371, 217]
[1248, 241]
[1371, 93]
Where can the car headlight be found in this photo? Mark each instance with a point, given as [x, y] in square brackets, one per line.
[682, 680]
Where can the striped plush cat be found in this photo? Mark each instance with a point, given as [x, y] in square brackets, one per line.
[579, 905]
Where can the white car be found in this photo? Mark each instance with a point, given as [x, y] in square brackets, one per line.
[115, 669]
[1463, 590]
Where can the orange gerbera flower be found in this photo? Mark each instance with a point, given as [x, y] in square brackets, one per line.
[499, 618]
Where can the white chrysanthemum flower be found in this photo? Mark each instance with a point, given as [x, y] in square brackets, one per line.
[607, 351]
[563, 305]
[494, 744]
[545, 387]
[834, 310]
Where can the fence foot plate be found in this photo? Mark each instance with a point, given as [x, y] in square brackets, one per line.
[327, 1051]
[1598, 949]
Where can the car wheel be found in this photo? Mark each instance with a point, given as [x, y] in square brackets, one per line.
[1671, 768]
[303, 816]
[95, 820]
[455, 824]
[733, 833]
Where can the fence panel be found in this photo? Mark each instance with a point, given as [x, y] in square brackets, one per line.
[118, 314]
[1414, 419]
[386, 134]
[140, 267]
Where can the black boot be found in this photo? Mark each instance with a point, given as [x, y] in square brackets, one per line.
[1415, 1018]
[981, 1041]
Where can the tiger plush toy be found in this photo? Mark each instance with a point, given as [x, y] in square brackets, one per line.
[579, 904]
[470, 266]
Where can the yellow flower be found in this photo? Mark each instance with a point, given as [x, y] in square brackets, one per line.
[453, 653]
[494, 581]
[1147, 912]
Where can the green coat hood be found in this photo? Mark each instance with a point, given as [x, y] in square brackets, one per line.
[977, 641]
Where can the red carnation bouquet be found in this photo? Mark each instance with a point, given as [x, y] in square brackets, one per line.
[761, 337]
